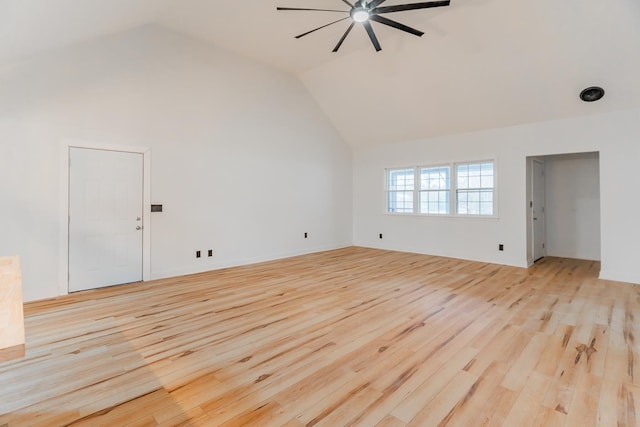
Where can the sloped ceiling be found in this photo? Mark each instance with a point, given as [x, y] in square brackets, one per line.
[481, 64]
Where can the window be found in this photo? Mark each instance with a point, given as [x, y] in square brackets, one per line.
[461, 188]
[400, 188]
[435, 190]
[474, 188]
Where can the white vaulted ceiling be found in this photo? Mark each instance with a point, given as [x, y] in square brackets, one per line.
[481, 64]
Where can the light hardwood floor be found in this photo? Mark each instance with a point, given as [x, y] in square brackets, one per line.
[11, 310]
[348, 337]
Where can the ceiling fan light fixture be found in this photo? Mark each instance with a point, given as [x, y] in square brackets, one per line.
[360, 14]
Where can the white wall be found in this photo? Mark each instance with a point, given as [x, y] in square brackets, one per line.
[614, 135]
[242, 158]
[572, 200]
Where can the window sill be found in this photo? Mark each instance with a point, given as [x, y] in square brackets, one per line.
[448, 216]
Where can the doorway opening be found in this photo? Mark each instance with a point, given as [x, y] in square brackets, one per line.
[563, 206]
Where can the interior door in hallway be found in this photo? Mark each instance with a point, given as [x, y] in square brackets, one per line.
[538, 211]
[105, 218]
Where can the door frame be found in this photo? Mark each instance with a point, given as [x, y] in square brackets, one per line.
[65, 146]
[529, 211]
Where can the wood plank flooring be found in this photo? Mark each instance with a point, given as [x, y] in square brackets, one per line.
[341, 338]
[11, 309]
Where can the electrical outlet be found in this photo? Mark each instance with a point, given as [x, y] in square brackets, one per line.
[501, 247]
[306, 235]
[210, 253]
[381, 235]
[198, 254]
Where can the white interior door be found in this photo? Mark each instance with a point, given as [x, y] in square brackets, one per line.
[105, 218]
[538, 210]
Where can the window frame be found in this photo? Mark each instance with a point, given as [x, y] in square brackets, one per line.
[453, 189]
[388, 192]
[493, 188]
[419, 178]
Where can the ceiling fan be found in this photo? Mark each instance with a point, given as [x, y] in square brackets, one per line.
[364, 12]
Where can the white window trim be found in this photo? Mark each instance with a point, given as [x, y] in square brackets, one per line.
[418, 177]
[386, 190]
[453, 190]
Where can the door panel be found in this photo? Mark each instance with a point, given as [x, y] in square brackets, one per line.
[105, 210]
[538, 212]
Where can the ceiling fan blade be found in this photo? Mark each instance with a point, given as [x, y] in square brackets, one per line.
[372, 35]
[410, 6]
[344, 36]
[394, 24]
[317, 10]
[376, 3]
[349, 4]
[319, 28]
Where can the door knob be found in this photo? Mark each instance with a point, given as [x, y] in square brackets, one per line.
[535, 219]
[138, 228]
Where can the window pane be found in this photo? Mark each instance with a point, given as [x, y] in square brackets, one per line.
[434, 202]
[401, 180]
[400, 202]
[462, 176]
[475, 175]
[437, 178]
[461, 205]
[486, 181]
[486, 208]
[487, 168]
